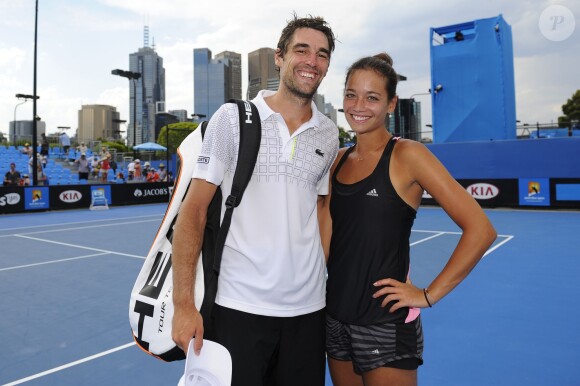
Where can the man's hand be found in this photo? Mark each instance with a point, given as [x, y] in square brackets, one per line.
[187, 324]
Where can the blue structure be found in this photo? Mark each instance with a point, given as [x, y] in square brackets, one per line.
[472, 75]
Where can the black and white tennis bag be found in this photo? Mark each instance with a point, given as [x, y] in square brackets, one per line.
[151, 304]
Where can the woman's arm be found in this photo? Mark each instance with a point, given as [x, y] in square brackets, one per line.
[425, 170]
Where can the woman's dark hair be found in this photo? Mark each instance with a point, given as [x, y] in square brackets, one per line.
[382, 64]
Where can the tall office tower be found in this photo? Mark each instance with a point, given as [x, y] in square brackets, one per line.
[234, 73]
[405, 121]
[149, 90]
[318, 100]
[211, 82]
[262, 74]
[330, 112]
[98, 121]
[22, 130]
[181, 114]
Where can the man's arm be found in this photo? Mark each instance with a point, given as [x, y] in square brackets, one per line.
[187, 242]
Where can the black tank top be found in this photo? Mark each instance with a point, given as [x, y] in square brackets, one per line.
[371, 226]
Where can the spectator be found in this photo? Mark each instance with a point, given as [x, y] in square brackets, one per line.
[95, 167]
[12, 177]
[41, 178]
[84, 167]
[82, 148]
[152, 175]
[137, 174]
[162, 172]
[30, 162]
[26, 150]
[131, 170]
[104, 152]
[120, 178]
[43, 160]
[25, 181]
[146, 169]
[65, 143]
[44, 145]
[105, 167]
[113, 165]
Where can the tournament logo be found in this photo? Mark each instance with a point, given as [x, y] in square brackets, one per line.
[533, 188]
[70, 196]
[534, 191]
[10, 199]
[36, 195]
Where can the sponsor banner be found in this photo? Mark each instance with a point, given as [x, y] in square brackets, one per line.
[36, 198]
[565, 192]
[534, 192]
[140, 193]
[70, 196]
[487, 192]
[11, 200]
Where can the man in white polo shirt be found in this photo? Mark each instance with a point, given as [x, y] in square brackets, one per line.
[269, 310]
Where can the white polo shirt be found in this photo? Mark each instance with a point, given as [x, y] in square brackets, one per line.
[273, 263]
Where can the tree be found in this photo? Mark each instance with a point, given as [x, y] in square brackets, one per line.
[571, 110]
[177, 133]
[345, 138]
[119, 146]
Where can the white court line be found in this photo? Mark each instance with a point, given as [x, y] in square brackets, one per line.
[79, 246]
[52, 262]
[427, 238]
[83, 228]
[71, 364]
[80, 222]
[454, 233]
[490, 250]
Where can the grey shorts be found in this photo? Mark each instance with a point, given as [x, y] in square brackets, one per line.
[377, 345]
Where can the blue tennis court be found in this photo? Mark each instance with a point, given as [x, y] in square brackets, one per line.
[65, 279]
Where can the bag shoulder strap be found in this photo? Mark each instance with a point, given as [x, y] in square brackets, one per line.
[250, 137]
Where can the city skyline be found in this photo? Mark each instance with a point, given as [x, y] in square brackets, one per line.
[79, 45]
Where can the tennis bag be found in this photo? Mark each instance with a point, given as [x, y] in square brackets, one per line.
[151, 304]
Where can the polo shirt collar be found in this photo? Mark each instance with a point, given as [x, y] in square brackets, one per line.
[265, 111]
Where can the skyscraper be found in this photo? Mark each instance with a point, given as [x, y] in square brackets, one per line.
[262, 74]
[234, 73]
[149, 91]
[215, 80]
[405, 121]
[98, 121]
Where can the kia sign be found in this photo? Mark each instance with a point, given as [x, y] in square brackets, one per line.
[482, 191]
[70, 196]
[488, 193]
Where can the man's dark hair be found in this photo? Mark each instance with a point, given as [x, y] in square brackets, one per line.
[310, 21]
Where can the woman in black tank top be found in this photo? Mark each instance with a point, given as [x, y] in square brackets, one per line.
[377, 187]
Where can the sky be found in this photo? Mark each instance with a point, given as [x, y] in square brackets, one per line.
[80, 42]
